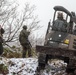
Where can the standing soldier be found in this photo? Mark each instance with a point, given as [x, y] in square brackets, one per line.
[1, 39]
[23, 38]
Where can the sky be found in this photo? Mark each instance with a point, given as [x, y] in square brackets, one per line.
[44, 9]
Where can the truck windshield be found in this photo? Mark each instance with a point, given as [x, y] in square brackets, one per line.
[59, 25]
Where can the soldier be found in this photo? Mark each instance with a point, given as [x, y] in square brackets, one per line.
[23, 38]
[60, 24]
[60, 16]
[1, 39]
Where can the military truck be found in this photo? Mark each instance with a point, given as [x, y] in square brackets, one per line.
[60, 40]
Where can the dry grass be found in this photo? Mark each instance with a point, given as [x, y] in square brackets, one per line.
[17, 53]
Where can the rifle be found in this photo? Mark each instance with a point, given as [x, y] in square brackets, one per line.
[29, 44]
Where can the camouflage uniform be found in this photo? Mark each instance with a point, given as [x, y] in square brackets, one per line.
[1, 40]
[23, 38]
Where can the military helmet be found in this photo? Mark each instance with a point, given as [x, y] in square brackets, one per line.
[24, 27]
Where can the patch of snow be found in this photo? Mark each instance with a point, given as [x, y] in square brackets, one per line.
[23, 66]
[27, 66]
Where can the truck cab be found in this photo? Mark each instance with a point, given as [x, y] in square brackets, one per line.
[61, 33]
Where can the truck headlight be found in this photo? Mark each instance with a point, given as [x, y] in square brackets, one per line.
[66, 41]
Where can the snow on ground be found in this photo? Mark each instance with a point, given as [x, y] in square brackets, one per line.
[55, 67]
[27, 66]
[21, 66]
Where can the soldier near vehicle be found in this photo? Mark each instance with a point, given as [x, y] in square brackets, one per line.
[60, 16]
[60, 24]
[23, 39]
[1, 39]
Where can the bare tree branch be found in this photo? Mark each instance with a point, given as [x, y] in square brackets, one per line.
[12, 20]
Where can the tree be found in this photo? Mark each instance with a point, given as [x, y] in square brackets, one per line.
[12, 20]
[37, 40]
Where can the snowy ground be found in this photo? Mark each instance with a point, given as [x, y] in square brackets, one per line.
[27, 66]
[20, 66]
[23, 66]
